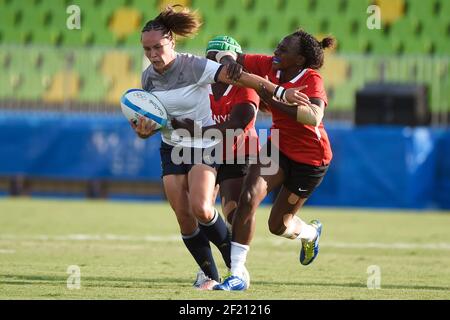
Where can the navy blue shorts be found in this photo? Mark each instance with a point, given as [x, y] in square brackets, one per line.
[231, 171]
[169, 167]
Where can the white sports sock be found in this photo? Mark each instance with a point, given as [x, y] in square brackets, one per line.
[307, 232]
[238, 258]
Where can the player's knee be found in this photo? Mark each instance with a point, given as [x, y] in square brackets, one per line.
[249, 197]
[203, 211]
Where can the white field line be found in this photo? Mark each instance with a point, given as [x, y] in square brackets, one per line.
[177, 238]
[7, 251]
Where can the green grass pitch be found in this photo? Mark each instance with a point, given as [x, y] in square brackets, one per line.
[132, 250]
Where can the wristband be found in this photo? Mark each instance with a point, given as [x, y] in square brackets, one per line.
[280, 93]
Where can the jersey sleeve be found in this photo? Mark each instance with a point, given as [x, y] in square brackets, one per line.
[246, 95]
[315, 87]
[204, 70]
[257, 64]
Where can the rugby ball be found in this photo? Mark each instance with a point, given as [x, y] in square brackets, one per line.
[137, 103]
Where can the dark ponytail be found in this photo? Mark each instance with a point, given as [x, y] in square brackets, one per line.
[327, 42]
[311, 48]
[183, 23]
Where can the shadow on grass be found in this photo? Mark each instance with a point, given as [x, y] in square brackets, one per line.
[113, 282]
[348, 285]
[130, 282]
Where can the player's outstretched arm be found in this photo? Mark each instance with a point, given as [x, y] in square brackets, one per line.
[253, 81]
[240, 117]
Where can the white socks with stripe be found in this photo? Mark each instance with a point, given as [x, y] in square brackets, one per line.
[238, 258]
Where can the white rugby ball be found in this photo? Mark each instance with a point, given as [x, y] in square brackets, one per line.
[137, 103]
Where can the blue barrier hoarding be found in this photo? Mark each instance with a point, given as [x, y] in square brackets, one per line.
[373, 166]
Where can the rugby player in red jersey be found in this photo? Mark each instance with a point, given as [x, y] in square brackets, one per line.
[304, 149]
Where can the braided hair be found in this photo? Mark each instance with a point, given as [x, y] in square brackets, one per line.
[184, 22]
[312, 49]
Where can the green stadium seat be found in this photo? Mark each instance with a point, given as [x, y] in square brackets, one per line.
[31, 86]
[405, 27]
[33, 18]
[356, 8]
[16, 36]
[218, 22]
[355, 44]
[251, 25]
[416, 45]
[420, 8]
[148, 9]
[87, 4]
[88, 60]
[277, 29]
[58, 19]
[41, 36]
[445, 101]
[93, 88]
[290, 8]
[96, 19]
[232, 7]
[103, 37]
[380, 44]
[8, 17]
[53, 60]
[343, 98]
[10, 82]
[306, 22]
[436, 30]
[395, 70]
[23, 60]
[442, 47]
[64, 85]
[133, 40]
[114, 4]
[267, 6]
[444, 10]
[93, 85]
[342, 28]
[77, 38]
[197, 44]
[335, 70]
[327, 8]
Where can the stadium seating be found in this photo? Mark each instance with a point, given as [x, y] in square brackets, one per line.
[111, 22]
[109, 36]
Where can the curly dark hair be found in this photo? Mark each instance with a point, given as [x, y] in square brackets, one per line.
[311, 48]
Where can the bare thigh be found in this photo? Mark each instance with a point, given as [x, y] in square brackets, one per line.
[176, 189]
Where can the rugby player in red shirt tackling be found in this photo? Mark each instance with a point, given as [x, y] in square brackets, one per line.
[304, 149]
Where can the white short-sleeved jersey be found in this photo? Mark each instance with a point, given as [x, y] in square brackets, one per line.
[183, 90]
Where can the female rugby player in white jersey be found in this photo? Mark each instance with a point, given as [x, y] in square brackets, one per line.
[180, 82]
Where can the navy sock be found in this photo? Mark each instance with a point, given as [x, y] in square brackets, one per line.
[198, 246]
[217, 232]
